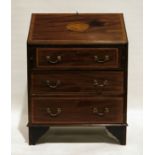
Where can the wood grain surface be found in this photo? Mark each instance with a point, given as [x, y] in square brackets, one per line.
[77, 110]
[77, 72]
[78, 83]
[52, 29]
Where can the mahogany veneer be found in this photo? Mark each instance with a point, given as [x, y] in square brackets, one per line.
[77, 72]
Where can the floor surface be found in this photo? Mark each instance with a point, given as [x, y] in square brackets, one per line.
[77, 140]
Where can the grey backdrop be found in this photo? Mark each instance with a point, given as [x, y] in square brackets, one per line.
[21, 13]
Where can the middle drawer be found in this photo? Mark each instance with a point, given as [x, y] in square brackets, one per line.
[78, 82]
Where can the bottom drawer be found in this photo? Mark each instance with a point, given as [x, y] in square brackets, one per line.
[76, 110]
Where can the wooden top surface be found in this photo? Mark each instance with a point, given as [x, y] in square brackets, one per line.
[65, 29]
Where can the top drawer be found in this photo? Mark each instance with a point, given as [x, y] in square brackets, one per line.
[83, 58]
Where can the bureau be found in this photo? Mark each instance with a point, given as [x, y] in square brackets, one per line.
[77, 72]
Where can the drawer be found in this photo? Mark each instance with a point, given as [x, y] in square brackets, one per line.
[77, 82]
[97, 58]
[76, 110]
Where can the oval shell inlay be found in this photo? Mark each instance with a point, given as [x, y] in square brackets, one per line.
[77, 26]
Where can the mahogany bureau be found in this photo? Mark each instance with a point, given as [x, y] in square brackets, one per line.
[77, 72]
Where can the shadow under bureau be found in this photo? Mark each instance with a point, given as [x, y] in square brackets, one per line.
[77, 72]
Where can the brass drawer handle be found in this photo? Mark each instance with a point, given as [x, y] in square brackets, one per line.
[52, 84]
[103, 84]
[49, 111]
[50, 60]
[96, 111]
[102, 60]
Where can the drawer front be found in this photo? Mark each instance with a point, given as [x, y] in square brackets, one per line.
[77, 110]
[78, 82]
[97, 58]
